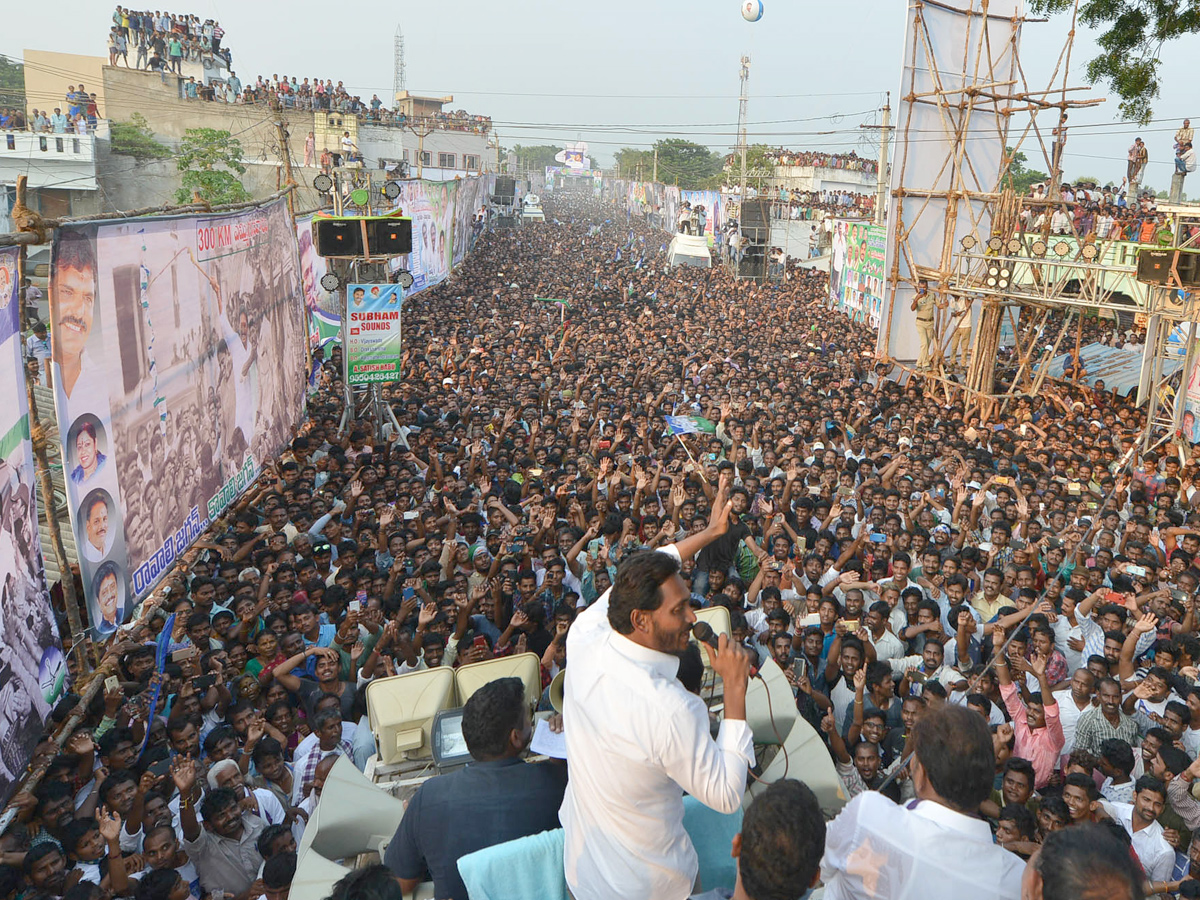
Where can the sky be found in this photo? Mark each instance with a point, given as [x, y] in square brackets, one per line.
[626, 73]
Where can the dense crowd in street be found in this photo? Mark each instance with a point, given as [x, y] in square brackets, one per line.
[893, 556]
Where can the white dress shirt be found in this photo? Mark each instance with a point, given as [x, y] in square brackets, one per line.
[1068, 716]
[1156, 855]
[636, 740]
[877, 849]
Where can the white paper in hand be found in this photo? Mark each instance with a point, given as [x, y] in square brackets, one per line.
[548, 743]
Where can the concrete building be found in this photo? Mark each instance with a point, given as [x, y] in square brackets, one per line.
[444, 144]
[822, 178]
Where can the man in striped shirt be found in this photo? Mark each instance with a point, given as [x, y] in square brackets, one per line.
[1105, 721]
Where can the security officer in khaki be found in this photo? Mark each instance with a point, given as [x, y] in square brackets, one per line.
[923, 305]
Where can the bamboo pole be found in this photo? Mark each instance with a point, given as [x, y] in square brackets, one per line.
[15, 239]
[37, 433]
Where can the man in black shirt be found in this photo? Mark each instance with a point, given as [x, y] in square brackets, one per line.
[496, 798]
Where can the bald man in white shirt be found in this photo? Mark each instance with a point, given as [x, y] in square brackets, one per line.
[636, 739]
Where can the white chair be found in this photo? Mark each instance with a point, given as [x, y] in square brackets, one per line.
[526, 666]
[401, 710]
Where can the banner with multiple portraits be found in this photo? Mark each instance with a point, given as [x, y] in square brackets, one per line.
[430, 205]
[32, 667]
[179, 370]
[856, 269]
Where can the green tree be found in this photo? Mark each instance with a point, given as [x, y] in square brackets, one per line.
[630, 161]
[759, 168]
[211, 162]
[134, 138]
[1132, 38]
[685, 163]
[1019, 178]
[12, 83]
[536, 156]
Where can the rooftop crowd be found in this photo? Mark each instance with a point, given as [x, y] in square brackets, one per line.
[902, 562]
[805, 205]
[162, 42]
[1121, 212]
[821, 159]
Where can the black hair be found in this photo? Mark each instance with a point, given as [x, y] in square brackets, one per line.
[783, 837]
[157, 884]
[1118, 753]
[638, 585]
[1021, 817]
[75, 831]
[269, 835]
[217, 801]
[954, 746]
[1085, 783]
[1150, 783]
[1087, 862]
[491, 714]
[371, 883]
[37, 851]
[279, 870]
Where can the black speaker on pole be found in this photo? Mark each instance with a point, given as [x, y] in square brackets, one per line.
[1188, 268]
[506, 188]
[1154, 265]
[756, 220]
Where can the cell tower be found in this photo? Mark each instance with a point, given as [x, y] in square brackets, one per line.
[743, 107]
[398, 81]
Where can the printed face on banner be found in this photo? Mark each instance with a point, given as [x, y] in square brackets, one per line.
[372, 332]
[184, 373]
[32, 667]
[856, 269]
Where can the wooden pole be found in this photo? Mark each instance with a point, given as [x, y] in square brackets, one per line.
[37, 433]
[288, 179]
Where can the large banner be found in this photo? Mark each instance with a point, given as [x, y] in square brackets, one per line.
[856, 272]
[430, 204]
[32, 667]
[179, 369]
[472, 194]
[713, 204]
[322, 306]
[373, 332]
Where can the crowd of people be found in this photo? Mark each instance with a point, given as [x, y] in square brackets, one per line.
[170, 38]
[807, 205]
[905, 565]
[1120, 212]
[852, 162]
[291, 92]
[81, 115]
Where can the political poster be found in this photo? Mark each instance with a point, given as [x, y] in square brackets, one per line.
[179, 369]
[468, 223]
[1190, 429]
[32, 666]
[322, 306]
[856, 270]
[373, 329]
[430, 205]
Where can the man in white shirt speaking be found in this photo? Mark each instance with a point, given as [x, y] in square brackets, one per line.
[636, 739]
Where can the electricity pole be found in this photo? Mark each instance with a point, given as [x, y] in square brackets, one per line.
[881, 180]
[655, 178]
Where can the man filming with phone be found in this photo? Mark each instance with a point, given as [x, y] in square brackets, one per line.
[636, 739]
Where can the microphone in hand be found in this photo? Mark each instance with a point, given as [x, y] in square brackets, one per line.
[703, 632]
